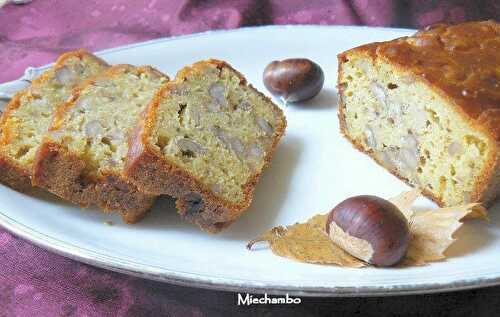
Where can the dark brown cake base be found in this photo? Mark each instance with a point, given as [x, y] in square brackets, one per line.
[60, 172]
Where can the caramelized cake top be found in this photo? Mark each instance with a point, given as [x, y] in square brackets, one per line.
[462, 61]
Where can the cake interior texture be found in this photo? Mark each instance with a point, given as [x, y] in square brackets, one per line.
[217, 128]
[95, 125]
[414, 129]
[29, 115]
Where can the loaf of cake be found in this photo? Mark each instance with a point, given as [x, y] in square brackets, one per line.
[427, 108]
[82, 155]
[28, 115]
[205, 140]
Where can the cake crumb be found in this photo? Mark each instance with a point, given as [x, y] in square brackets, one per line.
[108, 222]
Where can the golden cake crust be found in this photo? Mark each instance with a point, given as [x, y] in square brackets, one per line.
[12, 173]
[145, 163]
[462, 61]
[459, 62]
[59, 170]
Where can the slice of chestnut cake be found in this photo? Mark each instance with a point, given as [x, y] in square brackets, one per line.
[205, 140]
[427, 108]
[82, 155]
[28, 115]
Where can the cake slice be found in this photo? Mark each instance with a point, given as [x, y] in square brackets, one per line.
[28, 115]
[81, 157]
[427, 108]
[205, 140]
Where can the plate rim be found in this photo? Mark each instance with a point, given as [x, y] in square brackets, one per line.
[204, 281]
[152, 272]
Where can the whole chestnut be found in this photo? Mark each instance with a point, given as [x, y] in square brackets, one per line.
[294, 79]
[370, 228]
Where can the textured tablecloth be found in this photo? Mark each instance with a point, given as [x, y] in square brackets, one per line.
[34, 282]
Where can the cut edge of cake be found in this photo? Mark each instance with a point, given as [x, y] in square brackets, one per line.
[487, 182]
[61, 172]
[12, 173]
[154, 173]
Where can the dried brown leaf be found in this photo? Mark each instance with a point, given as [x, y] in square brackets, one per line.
[405, 200]
[318, 221]
[307, 242]
[432, 233]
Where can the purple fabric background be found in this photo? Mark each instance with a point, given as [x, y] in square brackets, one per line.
[34, 34]
[34, 282]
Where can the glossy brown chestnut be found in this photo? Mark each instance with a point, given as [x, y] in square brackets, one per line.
[294, 79]
[370, 228]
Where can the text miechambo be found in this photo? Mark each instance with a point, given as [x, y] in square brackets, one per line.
[251, 300]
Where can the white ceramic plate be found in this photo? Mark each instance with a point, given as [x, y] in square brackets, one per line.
[314, 168]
